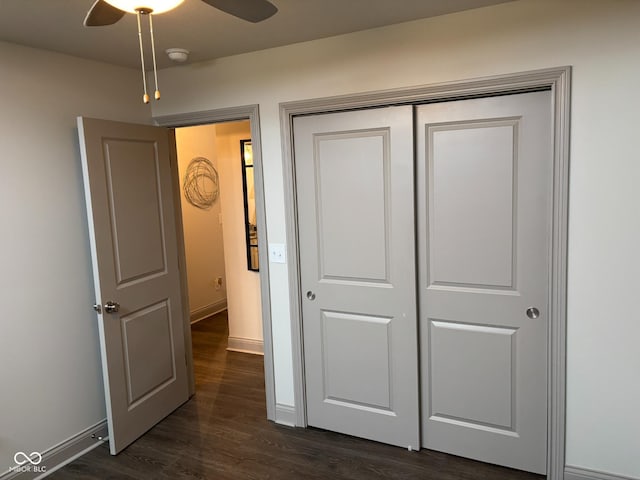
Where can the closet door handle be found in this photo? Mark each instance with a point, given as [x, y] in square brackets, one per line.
[533, 313]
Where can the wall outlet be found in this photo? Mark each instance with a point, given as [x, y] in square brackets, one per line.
[277, 253]
[218, 283]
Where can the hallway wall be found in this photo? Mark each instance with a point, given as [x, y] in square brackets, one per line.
[245, 315]
[204, 246]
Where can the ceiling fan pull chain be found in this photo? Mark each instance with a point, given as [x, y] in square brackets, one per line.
[153, 52]
[145, 97]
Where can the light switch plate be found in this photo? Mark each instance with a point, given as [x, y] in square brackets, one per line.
[277, 253]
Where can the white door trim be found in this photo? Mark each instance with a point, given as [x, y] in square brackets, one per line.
[251, 113]
[558, 81]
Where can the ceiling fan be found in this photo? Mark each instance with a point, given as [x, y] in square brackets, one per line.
[108, 12]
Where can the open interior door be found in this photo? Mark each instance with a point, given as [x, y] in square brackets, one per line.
[132, 229]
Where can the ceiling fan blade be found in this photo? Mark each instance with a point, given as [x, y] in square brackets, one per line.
[102, 13]
[250, 10]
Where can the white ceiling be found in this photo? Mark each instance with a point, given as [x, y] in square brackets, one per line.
[207, 32]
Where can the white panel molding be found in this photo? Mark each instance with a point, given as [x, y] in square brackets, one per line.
[558, 80]
[208, 310]
[367, 262]
[449, 403]
[251, 113]
[245, 345]
[285, 415]
[576, 473]
[482, 262]
[65, 452]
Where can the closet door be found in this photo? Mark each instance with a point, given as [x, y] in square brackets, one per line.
[484, 177]
[356, 223]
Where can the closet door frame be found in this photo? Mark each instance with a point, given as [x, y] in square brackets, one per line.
[558, 81]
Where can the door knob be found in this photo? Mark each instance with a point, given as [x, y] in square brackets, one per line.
[311, 296]
[533, 312]
[111, 307]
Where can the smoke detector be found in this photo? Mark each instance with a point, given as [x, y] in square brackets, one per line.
[178, 55]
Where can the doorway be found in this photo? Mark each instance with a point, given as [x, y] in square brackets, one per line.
[131, 175]
[248, 113]
[554, 80]
[212, 188]
[483, 193]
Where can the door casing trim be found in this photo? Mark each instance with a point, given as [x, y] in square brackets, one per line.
[251, 113]
[558, 80]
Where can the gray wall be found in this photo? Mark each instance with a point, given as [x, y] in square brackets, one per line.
[50, 375]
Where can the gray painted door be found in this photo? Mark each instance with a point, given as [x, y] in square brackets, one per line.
[132, 228]
[354, 180]
[484, 204]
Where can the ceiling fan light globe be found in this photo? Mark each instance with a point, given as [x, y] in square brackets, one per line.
[157, 6]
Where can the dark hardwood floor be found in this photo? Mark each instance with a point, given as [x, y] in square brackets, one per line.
[222, 433]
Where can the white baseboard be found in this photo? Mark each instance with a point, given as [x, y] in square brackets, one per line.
[245, 345]
[285, 415]
[576, 473]
[65, 452]
[204, 312]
